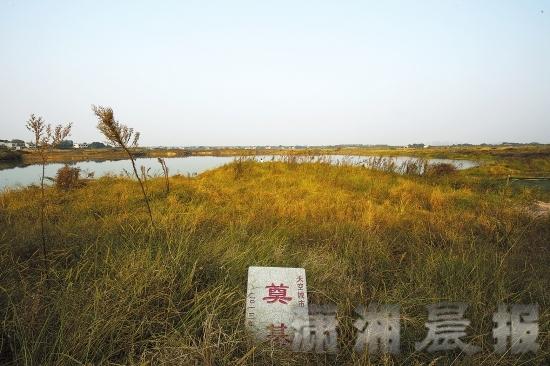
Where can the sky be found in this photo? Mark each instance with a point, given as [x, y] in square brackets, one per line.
[280, 72]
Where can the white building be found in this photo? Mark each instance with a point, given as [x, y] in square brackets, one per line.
[82, 145]
[7, 144]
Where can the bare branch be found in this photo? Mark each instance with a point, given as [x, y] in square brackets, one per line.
[36, 126]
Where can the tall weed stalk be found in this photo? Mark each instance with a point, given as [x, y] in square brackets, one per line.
[46, 138]
[125, 138]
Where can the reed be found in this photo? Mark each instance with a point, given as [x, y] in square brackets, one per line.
[125, 138]
[165, 173]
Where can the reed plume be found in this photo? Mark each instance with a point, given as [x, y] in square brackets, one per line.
[165, 173]
[123, 137]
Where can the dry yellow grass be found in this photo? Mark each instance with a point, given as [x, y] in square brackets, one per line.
[119, 292]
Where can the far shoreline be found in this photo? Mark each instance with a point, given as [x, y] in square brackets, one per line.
[29, 156]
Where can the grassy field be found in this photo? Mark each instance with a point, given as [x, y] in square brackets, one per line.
[118, 292]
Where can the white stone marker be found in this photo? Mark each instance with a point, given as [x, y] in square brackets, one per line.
[276, 297]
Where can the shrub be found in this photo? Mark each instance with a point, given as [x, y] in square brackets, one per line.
[439, 169]
[67, 178]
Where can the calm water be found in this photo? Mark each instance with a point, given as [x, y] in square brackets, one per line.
[26, 175]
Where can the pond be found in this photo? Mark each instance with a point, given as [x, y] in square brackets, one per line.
[19, 176]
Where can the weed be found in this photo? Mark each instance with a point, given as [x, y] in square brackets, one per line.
[46, 138]
[67, 178]
[123, 137]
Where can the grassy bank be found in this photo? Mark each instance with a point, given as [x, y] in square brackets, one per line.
[10, 156]
[72, 155]
[119, 293]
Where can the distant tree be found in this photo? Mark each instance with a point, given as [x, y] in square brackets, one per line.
[45, 139]
[65, 144]
[97, 145]
[124, 137]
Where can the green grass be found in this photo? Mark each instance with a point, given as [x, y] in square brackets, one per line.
[119, 293]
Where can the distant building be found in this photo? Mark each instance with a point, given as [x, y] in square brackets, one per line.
[18, 144]
[82, 145]
[6, 144]
[13, 144]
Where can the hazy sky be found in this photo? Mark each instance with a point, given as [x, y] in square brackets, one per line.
[280, 72]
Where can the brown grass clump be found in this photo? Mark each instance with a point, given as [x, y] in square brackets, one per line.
[67, 178]
[440, 169]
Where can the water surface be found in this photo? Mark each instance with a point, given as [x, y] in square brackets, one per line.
[20, 176]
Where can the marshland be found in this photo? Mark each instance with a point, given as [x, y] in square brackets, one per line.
[398, 151]
[117, 289]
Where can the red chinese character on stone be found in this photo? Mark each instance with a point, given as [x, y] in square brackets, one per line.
[277, 293]
[277, 334]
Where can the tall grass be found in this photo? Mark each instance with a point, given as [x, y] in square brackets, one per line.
[46, 138]
[121, 296]
[124, 137]
[165, 173]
